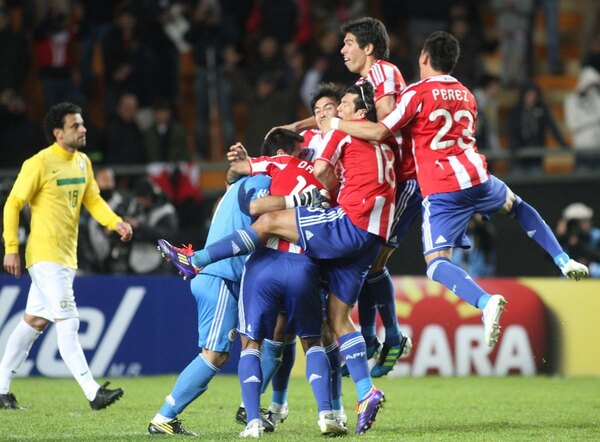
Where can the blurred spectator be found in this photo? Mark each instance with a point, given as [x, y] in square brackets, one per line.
[469, 67]
[276, 18]
[56, 58]
[165, 140]
[152, 17]
[20, 136]
[333, 13]
[488, 120]
[267, 107]
[326, 64]
[582, 116]
[529, 123]
[480, 260]
[425, 17]
[212, 43]
[96, 21]
[590, 29]
[100, 251]
[154, 218]
[579, 238]
[123, 140]
[514, 25]
[550, 8]
[592, 57]
[15, 58]
[129, 66]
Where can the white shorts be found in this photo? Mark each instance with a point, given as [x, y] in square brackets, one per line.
[51, 293]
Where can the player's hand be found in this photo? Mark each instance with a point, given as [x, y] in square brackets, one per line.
[124, 229]
[313, 198]
[237, 152]
[12, 264]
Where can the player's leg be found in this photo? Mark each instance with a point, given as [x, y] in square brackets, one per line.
[332, 350]
[17, 348]
[217, 319]
[318, 375]
[244, 241]
[536, 228]
[445, 219]
[54, 283]
[250, 376]
[279, 410]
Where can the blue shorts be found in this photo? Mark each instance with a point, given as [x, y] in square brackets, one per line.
[217, 312]
[408, 207]
[446, 215]
[345, 252]
[275, 281]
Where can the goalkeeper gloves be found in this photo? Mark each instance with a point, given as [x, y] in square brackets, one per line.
[314, 198]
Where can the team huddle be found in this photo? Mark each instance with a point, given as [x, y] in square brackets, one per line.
[320, 214]
[301, 236]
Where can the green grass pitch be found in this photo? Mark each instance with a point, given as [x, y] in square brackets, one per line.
[430, 408]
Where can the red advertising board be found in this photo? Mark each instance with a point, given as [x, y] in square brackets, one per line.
[447, 333]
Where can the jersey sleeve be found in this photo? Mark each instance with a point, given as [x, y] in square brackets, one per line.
[254, 188]
[26, 185]
[334, 142]
[404, 111]
[266, 165]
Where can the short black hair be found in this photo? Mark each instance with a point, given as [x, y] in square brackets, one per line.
[370, 30]
[331, 90]
[280, 139]
[365, 98]
[443, 50]
[55, 118]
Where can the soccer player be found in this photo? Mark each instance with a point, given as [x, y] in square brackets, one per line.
[346, 238]
[54, 182]
[439, 114]
[365, 50]
[216, 290]
[281, 277]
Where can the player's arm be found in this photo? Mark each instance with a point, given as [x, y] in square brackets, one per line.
[238, 163]
[298, 126]
[269, 203]
[309, 198]
[384, 106]
[325, 173]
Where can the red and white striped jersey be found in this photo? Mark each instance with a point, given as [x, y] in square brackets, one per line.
[367, 178]
[289, 175]
[439, 114]
[387, 80]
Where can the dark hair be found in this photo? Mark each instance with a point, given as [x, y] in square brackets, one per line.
[280, 139]
[55, 118]
[370, 30]
[365, 98]
[443, 50]
[331, 90]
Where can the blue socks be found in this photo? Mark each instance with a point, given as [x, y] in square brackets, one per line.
[537, 229]
[240, 242]
[250, 377]
[456, 279]
[318, 375]
[272, 353]
[191, 383]
[281, 379]
[335, 363]
[383, 288]
[367, 314]
[354, 351]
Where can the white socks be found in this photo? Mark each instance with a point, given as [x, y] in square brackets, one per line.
[72, 353]
[17, 349]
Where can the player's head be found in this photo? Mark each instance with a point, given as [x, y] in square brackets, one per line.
[365, 41]
[64, 124]
[358, 103]
[281, 141]
[325, 101]
[440, 53]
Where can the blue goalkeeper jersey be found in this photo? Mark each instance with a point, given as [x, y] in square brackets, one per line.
[233, 213]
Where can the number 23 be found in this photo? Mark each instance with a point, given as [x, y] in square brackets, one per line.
[438, 143]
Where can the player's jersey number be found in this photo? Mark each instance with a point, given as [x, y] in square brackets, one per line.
[464, 143]
[385, 164]
[301, 186]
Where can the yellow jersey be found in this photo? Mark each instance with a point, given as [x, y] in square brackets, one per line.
[54, 182]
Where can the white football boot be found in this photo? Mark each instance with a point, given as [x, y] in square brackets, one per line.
[575, 270]
[491, 319]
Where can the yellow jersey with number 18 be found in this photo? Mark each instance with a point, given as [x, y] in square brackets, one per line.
[54, 182]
